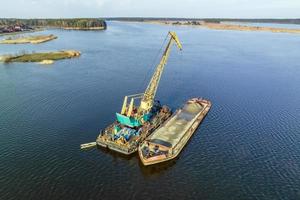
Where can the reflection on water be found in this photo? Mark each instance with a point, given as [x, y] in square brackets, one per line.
[116, 154]
[156, 170]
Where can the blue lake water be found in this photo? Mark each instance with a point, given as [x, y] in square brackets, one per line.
[248, 146]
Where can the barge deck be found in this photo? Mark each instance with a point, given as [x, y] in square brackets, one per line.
[168, 141]
[125, 140]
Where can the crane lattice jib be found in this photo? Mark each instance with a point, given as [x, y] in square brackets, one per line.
[149, 95]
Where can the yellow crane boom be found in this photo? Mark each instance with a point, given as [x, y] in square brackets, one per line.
[147, 98]
[149, 95]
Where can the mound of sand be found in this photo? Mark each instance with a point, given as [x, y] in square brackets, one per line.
[46, 62]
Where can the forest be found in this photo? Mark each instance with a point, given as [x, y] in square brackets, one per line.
[64, 23]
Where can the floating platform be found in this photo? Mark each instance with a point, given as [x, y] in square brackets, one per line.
[166, 142]
[124, 139]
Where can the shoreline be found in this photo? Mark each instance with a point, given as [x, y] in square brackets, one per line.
[84, 29]
[30, 39]
[12, 25]
[22, 32]
[224, 26]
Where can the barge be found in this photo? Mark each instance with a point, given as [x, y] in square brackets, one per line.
[125, 139]
[167, 142]
[135, 122]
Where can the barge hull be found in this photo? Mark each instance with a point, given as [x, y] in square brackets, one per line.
[117, 149]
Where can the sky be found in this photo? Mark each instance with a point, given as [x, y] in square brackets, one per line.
[150, 8]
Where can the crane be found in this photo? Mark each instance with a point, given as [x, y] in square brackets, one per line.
[135, 116]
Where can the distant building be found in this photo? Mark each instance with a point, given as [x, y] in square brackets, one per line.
[17, 28]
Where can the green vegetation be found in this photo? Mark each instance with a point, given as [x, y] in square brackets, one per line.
[62, 23]
[39, 57]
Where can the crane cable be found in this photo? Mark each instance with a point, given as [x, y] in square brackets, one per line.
[153, 64]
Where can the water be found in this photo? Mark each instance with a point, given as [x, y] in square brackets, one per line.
[246, 148]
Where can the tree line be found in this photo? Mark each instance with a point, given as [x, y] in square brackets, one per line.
[78, 22]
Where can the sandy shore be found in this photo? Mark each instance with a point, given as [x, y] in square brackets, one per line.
[30, 39]
[224, 26]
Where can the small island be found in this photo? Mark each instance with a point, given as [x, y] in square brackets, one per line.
[42, 58]
[33, 39]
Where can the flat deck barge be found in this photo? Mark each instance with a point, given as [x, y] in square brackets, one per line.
[166, 142]
[124, 139]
